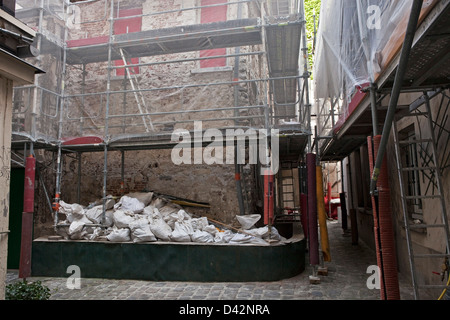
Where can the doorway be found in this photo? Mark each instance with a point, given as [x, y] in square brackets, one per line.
[15, 217]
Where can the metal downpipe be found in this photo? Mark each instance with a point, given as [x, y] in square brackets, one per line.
[373, 108]
[237, 165]
[237, 178]
[313, 236]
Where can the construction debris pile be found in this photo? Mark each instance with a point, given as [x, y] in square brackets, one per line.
[144, 217]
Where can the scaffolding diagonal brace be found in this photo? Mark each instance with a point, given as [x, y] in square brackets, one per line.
[140, 101]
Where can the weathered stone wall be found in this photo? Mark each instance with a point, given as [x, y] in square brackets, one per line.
[430, 240]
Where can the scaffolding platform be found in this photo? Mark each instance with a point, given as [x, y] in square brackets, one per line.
[224, 34]
[283, 36]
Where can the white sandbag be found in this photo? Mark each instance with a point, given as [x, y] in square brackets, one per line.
[119, 235]
[109, 219]
[110, 202]
[219, 237]
[95, 214]
[180, 233]
[211, 229]
[79, 235]
[140, 231]
[160, 228]
[78, 224]
[259, 232]
[172, 214]
[144, 197]
[94, 235]
[241, 238]
[199, 223]
[156, 214]
[183, 228]
[258, 241]
[274, 235]
[169, 209]
[129, 204]
[63, 231]
[77, 210]
[148, 210]
[158, 203]
[248, 221]
[202, 237]
[72, 211]
[223, 237]
[186, 216]
[170, 218]
[64, 207]
[122, 219]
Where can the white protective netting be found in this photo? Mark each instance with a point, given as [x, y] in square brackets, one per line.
[356, 42]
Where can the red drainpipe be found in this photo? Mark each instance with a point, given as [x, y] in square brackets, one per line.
[304, 213]
[313, 233]
[383, 228]
[27, 218]
[271, 198]
[268, 197]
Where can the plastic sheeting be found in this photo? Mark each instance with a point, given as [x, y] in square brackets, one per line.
[356, 41]
[125, 70]
[86, 91]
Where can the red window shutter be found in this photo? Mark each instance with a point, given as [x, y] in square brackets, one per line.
[127, 26]
[213, 14]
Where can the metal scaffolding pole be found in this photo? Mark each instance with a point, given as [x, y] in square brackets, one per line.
[108, 88]
[55, 204]
[392, 108]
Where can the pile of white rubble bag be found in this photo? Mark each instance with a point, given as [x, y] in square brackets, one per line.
[143, 217]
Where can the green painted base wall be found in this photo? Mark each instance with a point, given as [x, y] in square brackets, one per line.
[169, 262]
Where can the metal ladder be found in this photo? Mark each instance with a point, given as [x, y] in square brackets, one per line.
[287, 189]
[434, 172]
[287, 197]
[137, 93]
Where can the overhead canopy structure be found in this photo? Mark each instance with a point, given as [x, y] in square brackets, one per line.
[354, 52]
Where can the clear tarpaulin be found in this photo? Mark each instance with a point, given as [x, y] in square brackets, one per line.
[126, 68]
[356, 42]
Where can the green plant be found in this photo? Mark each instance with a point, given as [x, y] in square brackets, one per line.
[23, 290]
[312, 8]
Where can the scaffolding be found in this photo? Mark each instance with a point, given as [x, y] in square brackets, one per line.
[125, 75]
[362, 64]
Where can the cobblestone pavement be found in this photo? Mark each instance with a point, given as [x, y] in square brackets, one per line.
[346, 280]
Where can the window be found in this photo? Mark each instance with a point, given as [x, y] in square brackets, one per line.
[208, 15]
[127, 26]
[411, 177]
